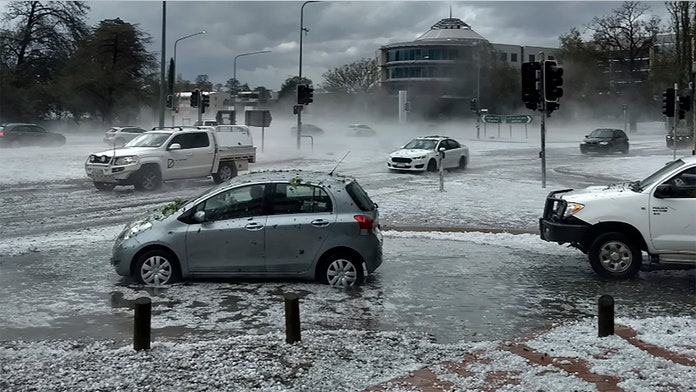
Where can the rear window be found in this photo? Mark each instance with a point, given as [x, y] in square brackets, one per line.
[360, 197]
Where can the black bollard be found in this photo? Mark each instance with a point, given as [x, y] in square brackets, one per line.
[141, 324]
[605, 316]
[292, 318]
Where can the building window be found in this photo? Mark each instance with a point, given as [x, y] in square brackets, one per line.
[503, 56]
[513, 57]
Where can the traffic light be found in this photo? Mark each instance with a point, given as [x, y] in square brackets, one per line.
[296, 109]
[474, 105]
[205, 102]
[170, 101]
[553, 80]
[195, 95]
[305, 94]
[531, 85]
[684, 106]
[668, 102]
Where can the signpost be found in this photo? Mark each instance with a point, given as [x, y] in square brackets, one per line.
[519, 119]
[491, 119]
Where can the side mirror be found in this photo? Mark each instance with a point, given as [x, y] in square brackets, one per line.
[663, 190]
[199, 216]
[174, 146]
[442, 152]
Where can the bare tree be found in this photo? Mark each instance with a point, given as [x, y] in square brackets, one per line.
[626, 38]
[683, 17]
[356, 77]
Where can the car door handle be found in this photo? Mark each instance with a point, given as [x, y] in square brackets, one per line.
[320, 223]
[253, 226]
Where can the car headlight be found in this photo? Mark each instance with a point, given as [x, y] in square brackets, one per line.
[134, 230]
[419, 157]
[126, 160]
[572, 209]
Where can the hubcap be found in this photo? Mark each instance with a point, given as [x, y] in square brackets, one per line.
[156, 271]
[225, 173]
[341, 273]
[149, 181]
[616, 257]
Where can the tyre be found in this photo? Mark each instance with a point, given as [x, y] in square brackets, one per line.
[104, 186]
[614, 255]
[432, 166]
[226, 172]
[157, 268]
[624, 150]
[341, 270]
[148, 179]
[462, 163]
[583, 151]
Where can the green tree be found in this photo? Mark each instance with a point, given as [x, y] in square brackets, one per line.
[288, 89]
[356, 77]
[109, 73]
[36, 40]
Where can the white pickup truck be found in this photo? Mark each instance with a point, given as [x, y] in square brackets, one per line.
[174, 153]
[615, 224]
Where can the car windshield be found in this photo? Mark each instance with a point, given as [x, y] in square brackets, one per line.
[149, 140]
[421, 144]
[601, 133]
[638, 186]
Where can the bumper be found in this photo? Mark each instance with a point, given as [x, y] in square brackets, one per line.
[561, 232]
[595, 148]
[109, 174]
[413, 166]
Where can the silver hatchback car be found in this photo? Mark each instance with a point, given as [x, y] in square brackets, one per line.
[277, 224]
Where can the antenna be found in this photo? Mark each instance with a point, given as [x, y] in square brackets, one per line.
[339, 162]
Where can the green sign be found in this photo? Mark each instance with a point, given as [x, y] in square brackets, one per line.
[492, 118]
[518, 119]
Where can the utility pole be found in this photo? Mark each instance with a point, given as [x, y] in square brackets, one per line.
[163, 60]
[542, 153]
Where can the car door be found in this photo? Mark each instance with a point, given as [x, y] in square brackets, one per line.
[451, 154]
[194, 158]
[673, 218]
[300, 219]
[231, 240]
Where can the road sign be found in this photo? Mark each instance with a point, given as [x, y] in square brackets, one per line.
[518, 119]
[491, 118]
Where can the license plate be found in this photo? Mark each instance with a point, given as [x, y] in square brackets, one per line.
[400, 165]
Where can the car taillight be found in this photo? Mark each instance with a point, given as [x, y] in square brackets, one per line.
[110, 134]
[366, 223]
[2, 133]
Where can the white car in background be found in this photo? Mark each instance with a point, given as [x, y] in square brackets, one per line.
[421, 154]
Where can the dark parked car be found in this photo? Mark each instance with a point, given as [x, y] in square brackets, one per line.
[308, 129]
[20, 134]
[683, 137]
[605, 140]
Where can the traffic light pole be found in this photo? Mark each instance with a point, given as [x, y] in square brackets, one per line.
[674, 123]
[542, 153]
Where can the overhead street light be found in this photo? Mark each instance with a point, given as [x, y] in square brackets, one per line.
[234, 72]
[174, 97]
[302, 30]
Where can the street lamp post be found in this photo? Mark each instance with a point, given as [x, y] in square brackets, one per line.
[302, 30]
[175, 100]
[234, 73]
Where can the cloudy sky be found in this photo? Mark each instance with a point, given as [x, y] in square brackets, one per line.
[340, 32]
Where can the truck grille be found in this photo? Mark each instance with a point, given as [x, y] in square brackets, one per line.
[103, 159]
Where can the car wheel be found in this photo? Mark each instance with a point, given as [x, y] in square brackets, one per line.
[583, 151]
[149, 179]
[119, 142]
[462, 163]
[156, 268]
[614, 255]
[432, 166]
[104, 186]
[624, 150]
[341, 270]
[226, 172]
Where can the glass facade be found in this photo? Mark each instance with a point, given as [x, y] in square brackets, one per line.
[412, 54]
